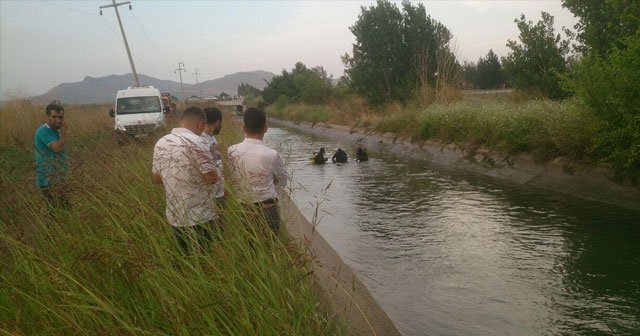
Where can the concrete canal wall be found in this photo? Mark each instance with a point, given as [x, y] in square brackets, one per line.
[561, 175]
[339, 288]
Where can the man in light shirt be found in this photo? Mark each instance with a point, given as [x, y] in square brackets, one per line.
[183, 164]
[213, 127]
[258, 170]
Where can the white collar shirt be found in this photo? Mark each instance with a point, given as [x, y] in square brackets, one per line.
[257, 169]
[181, 158]
[217, 159]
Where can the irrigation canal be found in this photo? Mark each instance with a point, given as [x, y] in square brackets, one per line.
[451, 253]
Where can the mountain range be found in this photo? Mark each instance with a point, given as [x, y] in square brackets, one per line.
[103, 89]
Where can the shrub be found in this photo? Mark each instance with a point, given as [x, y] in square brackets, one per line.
[609, 86]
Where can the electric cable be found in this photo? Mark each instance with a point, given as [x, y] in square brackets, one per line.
[153, 45]
[68, 8]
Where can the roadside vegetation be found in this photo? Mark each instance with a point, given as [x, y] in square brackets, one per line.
[110, 266]
[576, 96]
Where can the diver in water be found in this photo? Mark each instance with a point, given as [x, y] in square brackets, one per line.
[361, 155]
[318, 158]
[339, 156]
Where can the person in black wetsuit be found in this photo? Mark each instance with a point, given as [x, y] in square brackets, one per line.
[339, 156]
[319, 157]
[361, 155]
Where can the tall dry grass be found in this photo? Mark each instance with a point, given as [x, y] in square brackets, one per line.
[20, 118]
[504, 122]
[110, 265]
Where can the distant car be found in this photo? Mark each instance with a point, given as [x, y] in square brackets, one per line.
[169, 107]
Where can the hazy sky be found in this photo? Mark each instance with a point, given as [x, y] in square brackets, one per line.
[45, 43]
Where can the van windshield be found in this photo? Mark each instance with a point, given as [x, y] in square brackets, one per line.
[131, 105]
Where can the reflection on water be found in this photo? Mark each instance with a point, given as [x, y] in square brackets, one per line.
[451, 253]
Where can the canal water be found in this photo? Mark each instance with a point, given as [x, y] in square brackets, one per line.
[446, 252]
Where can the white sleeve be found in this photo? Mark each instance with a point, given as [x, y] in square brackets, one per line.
[279, 171]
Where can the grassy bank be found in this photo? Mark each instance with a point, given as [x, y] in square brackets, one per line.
[543, 128]
[110, 265]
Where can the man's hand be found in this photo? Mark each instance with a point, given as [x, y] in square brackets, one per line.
[157, 179]
[58, 146]
[63, 130]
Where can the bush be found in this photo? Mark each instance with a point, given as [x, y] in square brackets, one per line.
[302, 84]
[609, 86]
[298, 112]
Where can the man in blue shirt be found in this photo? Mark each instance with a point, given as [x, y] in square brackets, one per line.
[51, 157]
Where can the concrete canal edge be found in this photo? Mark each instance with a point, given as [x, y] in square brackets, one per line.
[339, 288]
[560, 175]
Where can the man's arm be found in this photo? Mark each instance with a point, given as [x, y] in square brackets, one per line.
[206, 163]
[279, 172]
[58, 146]
[210, 177]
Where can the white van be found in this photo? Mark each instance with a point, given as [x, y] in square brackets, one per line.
[139, 111]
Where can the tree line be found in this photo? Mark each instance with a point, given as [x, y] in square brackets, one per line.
[401, 53]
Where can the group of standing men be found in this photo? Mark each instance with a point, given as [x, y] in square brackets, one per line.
[188, 164]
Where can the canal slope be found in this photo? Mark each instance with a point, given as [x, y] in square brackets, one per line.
[339, 288]
[560, 175]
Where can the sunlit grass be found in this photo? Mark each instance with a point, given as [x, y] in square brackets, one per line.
[110, 265]
[545, 129]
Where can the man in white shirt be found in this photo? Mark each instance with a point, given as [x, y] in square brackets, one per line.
[213, 127]
[183, 164]
[258, 170]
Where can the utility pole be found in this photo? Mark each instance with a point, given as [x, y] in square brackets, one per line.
[124, 37]
[197, 73]
[180, 69]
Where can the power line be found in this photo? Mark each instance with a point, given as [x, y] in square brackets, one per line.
[68, 8]
[180, 69]
[124, 37]
[108, 25]
[197, 73]
[153, 45]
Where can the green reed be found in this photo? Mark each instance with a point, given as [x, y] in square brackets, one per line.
[110, 264]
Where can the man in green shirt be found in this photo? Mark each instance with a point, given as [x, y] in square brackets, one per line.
[51, 157]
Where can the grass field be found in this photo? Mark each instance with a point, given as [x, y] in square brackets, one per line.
[110, 266]
[496, 120]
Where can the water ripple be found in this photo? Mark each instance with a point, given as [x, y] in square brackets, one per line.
[451, 253]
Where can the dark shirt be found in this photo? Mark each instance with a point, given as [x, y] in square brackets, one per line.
[340, 156]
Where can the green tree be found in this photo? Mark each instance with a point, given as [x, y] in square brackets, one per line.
[489, 72]
[603, 23]
[469, 74]
[606, 77]
[538, 62]
[395, 52]
[248, 90]
[302, 84]
[610, 86]
[224, 96]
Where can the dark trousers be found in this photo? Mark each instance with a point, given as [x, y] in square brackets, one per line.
[272, 215]
[56, 196]
[198, 237]
[269, 211]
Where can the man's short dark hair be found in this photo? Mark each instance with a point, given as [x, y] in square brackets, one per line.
[53, 107]
[254, 120]
[213, 115]
[194, 113]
